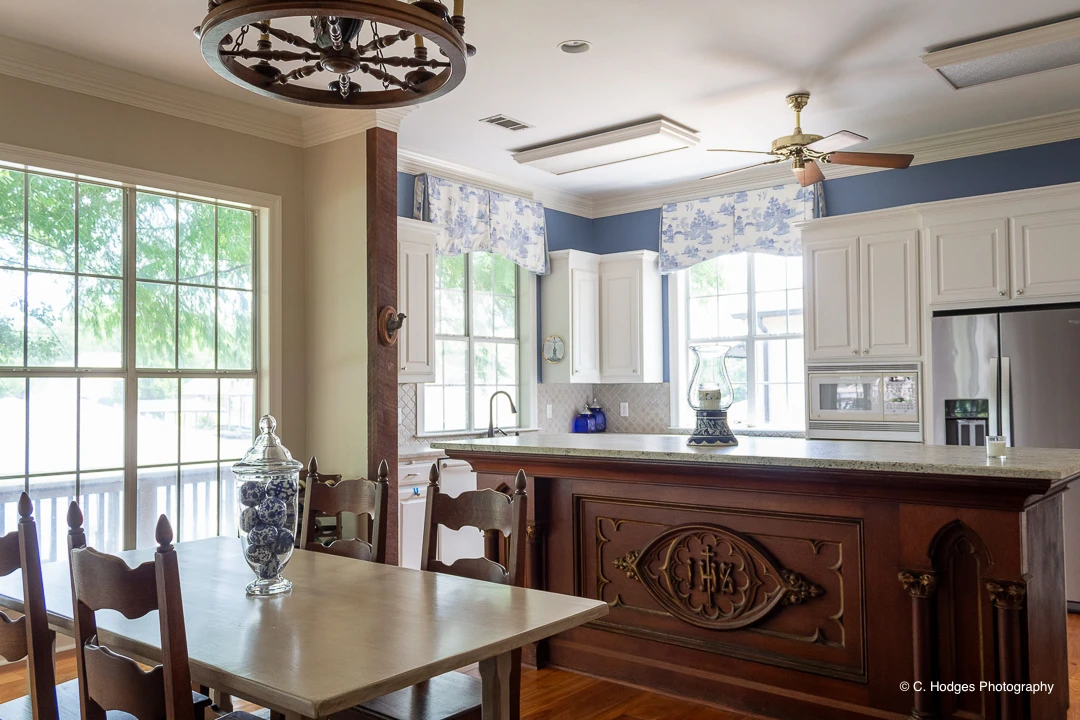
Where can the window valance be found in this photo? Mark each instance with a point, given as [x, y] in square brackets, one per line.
[755, 221]
[477, 220]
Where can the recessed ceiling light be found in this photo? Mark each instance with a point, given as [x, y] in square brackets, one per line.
[575, 46]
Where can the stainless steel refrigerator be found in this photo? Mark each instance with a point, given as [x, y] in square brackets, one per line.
[1015, 374]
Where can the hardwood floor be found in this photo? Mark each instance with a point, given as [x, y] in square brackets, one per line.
[559, 695]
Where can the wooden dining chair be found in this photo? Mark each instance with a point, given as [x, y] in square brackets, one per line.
[110, 681]
[30, 637]
[364, 498]
[454, 695]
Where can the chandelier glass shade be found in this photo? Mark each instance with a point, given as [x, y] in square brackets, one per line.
[364, 54]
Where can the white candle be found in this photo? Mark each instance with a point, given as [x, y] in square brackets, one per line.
[995, 446]
[709, 396]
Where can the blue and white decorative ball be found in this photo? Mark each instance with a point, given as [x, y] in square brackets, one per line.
[284, 542]
[281, 488]
[258, 554]
[264, 535]
[270, 569]
[272, 511]
[248, 519]
[252, 492]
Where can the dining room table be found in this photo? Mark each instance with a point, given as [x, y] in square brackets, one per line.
[347, 632]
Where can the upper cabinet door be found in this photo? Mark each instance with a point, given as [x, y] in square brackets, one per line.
[585, 325]
[1046, 254]
[889, 288]
[969, 261]
[832, 288]
[416, 298]
[620, 323]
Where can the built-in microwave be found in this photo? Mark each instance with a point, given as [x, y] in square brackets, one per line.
[865, 401]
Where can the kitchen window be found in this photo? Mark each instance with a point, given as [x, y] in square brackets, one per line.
[128, 372]
[477, 343]
[754, 303]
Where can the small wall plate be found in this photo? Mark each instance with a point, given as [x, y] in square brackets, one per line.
[554, 349]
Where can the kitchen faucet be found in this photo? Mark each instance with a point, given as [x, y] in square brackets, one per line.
[491, 411]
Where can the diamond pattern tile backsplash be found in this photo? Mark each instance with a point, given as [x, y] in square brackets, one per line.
[649, 406]
[566, 401]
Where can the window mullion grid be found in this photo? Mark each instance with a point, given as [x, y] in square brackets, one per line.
[751, 345]
[130, 505]
[176, 359]
[470, 418]
[26, 293]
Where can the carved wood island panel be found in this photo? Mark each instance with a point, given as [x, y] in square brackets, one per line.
[799, 592]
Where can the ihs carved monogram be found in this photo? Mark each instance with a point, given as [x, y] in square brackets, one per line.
[713, 577]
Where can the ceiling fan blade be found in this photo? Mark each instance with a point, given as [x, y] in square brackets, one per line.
[728, 172]
[882, 160]
[755, 152]
[836, 141]
[809, 173]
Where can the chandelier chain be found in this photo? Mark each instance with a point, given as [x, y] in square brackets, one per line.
[240, 38]
[379, 53]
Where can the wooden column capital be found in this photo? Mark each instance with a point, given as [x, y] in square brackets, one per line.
[1007, 595]
[918, 584]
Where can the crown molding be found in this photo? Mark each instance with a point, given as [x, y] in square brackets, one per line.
[416, 163]
[68, 72]
[330, 125]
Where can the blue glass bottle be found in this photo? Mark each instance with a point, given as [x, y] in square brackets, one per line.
[584, 422]
[599, 416]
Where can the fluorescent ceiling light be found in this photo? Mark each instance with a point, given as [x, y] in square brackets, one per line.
[1048, 47]
[606, 148]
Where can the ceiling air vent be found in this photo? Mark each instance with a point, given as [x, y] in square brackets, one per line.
[506, 122]
[1047, 47]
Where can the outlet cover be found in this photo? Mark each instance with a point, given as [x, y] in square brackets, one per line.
[624, 409]
[549, 411]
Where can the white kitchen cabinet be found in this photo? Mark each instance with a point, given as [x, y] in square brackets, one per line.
[456, 477]
[889, 294]
[1045, 254]
[416, 298]
[862, 296]
[969, 261]
[570, 310]
[631, 318]
[830, 270]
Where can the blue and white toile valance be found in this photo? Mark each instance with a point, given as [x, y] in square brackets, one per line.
[479, 220]
[755, 221]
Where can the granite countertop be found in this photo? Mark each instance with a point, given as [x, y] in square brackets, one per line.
[1022, 463]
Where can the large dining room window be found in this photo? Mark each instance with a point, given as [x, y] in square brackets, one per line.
[128, 373]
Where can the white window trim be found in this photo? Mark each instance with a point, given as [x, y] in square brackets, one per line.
[527, 361]
[678, 353]
[267, 208]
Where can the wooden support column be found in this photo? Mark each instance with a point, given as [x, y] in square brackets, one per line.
[382, 275]
[921, 587]
[1008, 600]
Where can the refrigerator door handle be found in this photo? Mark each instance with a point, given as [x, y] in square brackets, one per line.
[993, 427]
[1006, 402]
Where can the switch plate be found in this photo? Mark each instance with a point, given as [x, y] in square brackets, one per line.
[549, 411]
[624, 409]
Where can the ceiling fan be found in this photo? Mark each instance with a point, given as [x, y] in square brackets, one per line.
[805, 150]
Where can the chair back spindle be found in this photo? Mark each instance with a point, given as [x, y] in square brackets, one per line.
[361, 497]
[108, 680]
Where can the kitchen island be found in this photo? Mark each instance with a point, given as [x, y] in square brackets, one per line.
[798, 578]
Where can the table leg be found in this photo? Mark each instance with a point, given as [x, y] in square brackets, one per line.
[495, 674]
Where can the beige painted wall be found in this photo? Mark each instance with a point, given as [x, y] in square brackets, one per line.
[59, 121]
[336, 237]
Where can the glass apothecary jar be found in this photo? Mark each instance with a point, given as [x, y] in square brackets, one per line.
[267, 483]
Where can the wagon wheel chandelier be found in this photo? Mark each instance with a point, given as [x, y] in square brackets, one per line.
[245, 41]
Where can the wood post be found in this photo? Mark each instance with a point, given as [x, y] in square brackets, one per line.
[382, 361]
[921, 587]
[1008, 598]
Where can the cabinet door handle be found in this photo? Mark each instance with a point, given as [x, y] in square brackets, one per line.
[1020, 291]
[1002, 293]
[854, 352]
[865, 352]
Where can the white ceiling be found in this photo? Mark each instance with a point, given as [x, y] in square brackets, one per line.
[721, 67]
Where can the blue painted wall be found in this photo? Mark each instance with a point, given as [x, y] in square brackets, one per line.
[1037, 166]
[405, 193]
